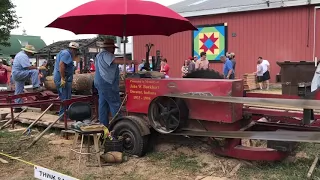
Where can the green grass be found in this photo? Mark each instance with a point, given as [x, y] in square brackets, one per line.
[184, 162]
[89, 177]
[5, 135]
[295, 169]
[157, 156]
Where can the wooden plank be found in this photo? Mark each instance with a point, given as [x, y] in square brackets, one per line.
[313, 166]
[286, 103]
[59, 125]
[3, 161]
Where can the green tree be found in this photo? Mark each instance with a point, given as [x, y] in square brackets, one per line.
[103, 37]
[8, 21]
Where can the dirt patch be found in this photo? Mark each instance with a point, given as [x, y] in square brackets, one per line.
[175, 158]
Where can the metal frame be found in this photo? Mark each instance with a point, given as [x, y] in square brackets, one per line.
[36, 97]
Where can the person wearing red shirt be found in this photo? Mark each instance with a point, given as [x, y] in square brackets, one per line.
[165, 67]
[92, 67]
[4, 73]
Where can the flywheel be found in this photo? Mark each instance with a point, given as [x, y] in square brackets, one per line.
[167, 114]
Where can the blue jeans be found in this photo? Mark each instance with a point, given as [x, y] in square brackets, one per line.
[64, 93]
[20, 77]
[109, 101]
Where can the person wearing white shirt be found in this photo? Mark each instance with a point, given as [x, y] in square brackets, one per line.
[266, 71]
[259, 74]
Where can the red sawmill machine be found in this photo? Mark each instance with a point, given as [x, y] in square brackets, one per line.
[214, 108]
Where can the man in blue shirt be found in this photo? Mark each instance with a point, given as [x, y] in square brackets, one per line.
[106, 81]
[141, 65]
[22, 71]
[63, 72]
[227, 68]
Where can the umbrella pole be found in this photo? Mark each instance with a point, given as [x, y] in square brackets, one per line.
[124, 57]
[124, 45]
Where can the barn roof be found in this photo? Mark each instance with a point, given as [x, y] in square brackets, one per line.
[56, 47]
[191, 8]
[19, 41]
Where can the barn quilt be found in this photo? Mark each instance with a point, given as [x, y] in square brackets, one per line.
[210, 39]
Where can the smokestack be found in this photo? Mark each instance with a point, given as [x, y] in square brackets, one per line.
[118, 44]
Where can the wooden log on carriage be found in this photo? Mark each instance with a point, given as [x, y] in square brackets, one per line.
[81, 82]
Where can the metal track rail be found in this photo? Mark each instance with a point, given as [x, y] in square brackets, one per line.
[286, 103]
[292, 136]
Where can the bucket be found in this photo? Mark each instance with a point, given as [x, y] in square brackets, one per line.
[113, 145]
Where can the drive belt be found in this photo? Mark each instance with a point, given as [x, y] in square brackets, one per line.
[292, 136]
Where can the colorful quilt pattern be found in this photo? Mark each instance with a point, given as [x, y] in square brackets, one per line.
[210, 39]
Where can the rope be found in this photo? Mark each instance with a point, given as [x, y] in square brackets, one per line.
[26, 162]
[15, 158]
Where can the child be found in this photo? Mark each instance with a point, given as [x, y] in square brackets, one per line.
[259, 74]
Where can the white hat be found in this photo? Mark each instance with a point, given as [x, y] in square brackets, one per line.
[74, 45]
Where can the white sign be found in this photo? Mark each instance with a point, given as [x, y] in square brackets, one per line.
[47, 174]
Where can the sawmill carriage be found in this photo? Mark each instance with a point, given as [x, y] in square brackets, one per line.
[213, 107]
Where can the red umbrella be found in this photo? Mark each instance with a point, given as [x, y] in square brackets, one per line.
[122, 18]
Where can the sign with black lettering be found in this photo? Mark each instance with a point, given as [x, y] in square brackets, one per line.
[47, 174]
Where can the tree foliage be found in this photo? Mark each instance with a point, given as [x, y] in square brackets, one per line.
[8, 21]
[103, 37]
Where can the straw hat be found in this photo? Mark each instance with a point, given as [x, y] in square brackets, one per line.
[107, 43]
[29, 48]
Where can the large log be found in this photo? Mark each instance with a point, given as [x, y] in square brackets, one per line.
[81, 82]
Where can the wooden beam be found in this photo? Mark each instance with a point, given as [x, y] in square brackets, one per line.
[284, 103]
[313, 166]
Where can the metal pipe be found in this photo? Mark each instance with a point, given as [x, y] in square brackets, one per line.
[314, 33]
[124, 45]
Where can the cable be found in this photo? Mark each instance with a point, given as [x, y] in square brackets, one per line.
[125, 98]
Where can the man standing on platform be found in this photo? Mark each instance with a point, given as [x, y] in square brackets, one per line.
[22, 71]
[106, 81]
[63, 72]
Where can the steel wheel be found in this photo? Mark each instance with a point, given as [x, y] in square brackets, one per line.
[164, 114]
